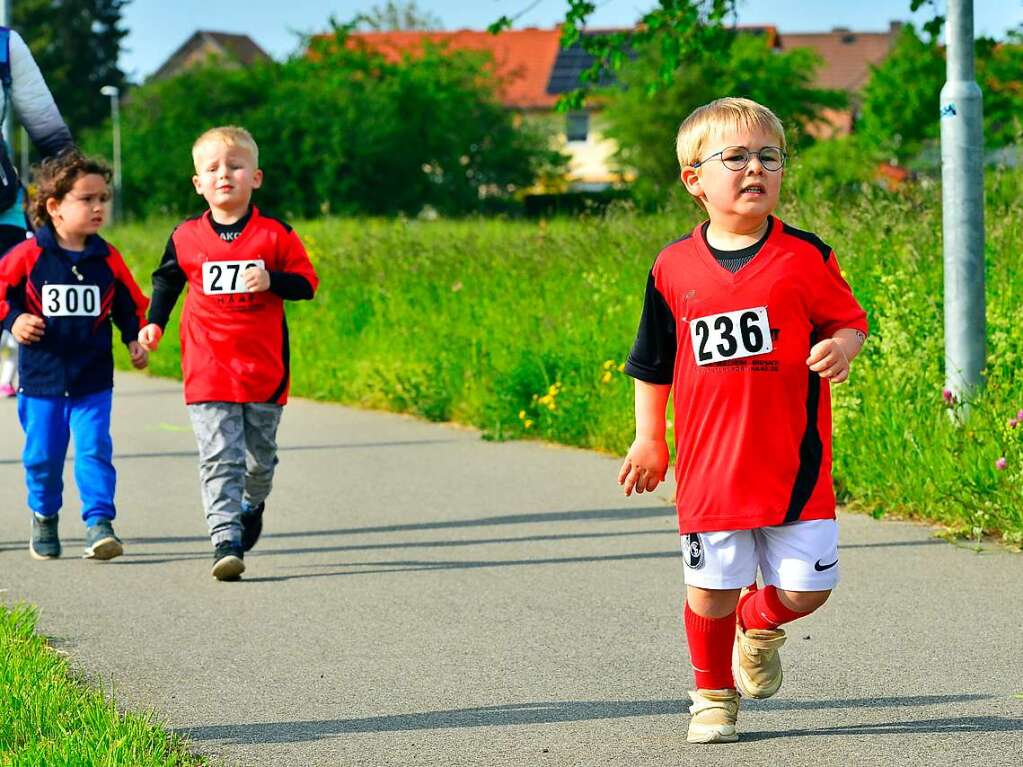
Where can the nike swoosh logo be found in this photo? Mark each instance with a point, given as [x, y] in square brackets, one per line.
[821, 568]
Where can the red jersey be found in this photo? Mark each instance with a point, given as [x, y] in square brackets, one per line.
[234, 344]
[752, 421]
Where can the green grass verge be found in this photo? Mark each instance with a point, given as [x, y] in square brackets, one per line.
[520, 328]
[51, 717]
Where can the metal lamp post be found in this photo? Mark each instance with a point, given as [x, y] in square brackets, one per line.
[962, 178]
[115, 119]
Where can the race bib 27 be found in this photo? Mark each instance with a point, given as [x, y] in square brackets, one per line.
[219, 277]
[70, 301]
[730, 335]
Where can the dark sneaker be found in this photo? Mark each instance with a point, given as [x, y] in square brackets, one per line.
[227, 561]
[45, 542]
[252, 526]
[101, 543]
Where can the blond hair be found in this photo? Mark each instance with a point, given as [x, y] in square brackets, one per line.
[729, 113]
[229, 135]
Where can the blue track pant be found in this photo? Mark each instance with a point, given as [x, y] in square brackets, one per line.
[49, 422]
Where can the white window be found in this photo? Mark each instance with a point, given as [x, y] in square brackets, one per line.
[577, 126]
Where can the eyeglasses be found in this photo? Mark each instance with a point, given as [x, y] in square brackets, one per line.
[738, 157]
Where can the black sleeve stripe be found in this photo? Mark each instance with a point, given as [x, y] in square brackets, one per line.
[652, 358]
[683, 238]
[272, 217]
[811, 451]
[286, 360]
[813, 239]
[168, 282]
[290, 287]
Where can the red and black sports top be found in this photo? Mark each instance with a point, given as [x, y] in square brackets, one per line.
[752, 421]
[234, 344]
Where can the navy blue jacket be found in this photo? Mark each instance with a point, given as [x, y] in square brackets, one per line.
[75, 355]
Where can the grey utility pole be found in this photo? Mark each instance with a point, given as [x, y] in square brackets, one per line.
[962, 178]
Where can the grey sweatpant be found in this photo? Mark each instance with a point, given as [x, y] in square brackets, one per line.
[237, 456]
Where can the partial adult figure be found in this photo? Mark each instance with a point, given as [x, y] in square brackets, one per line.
[24, 91]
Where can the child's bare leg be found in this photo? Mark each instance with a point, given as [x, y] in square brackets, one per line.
[712, 603]
[804, 602]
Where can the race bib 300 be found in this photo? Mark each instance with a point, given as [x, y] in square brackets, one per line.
[70, 301]
[730, 335]
[219, 277]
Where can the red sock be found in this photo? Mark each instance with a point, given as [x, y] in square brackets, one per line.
[763, 609]
[710, 649]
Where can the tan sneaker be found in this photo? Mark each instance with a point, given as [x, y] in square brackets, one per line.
[714, 714]
[756, 664]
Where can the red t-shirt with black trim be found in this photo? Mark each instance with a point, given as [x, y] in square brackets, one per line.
[752, 421]
[234, 344]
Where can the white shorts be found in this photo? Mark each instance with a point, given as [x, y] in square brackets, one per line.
[800, 556]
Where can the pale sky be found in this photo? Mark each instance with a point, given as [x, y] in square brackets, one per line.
[157, 27]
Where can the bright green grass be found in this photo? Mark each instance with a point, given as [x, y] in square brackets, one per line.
[518, 327]
[49, 717]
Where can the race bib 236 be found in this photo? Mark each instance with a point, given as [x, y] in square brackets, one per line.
[730, 335]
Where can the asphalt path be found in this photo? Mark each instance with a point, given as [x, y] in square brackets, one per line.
[423, 597]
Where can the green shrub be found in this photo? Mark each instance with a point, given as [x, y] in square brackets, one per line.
[342, 130]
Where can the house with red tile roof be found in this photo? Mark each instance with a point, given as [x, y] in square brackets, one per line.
[523, 58]
[534, 70]
[847, 58]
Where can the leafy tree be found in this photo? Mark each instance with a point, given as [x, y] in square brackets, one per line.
[999, 68]
[76, 44]
[679, 29]
[341, 129]
[900, 101]
[737, 65]
[398, 16]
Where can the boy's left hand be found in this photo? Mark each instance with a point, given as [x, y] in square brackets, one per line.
[256, 280]
[829, 359]
[139, 356]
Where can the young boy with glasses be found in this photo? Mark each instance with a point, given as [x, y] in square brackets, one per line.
[749, 319]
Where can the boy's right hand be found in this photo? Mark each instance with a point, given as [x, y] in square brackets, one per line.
[28, 328]
[149, 336]
[645, 466]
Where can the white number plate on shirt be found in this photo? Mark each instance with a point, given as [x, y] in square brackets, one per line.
[70, 301]
[226, 276]
[731, 335]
